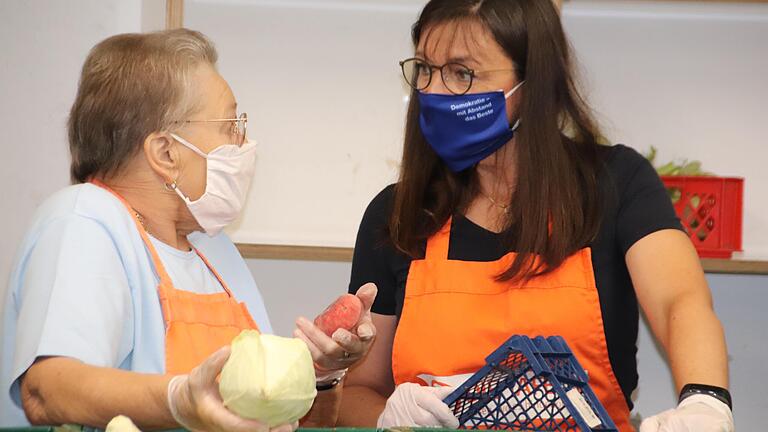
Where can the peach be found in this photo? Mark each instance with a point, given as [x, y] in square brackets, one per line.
[343, 313]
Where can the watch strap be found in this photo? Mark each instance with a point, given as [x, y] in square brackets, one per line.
[719, 393]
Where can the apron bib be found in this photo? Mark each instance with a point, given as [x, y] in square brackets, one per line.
[455, 313]
[196, 325]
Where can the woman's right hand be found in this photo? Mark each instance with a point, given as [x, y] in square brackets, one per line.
[412, 405]
[344, 348]
[195, 402]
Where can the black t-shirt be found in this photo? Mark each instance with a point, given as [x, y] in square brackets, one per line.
[635, 204]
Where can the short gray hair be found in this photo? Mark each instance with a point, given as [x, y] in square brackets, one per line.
[132, 85]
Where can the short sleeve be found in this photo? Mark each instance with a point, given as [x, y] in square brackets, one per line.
[374, 254]
[74, 299]
[644, 205]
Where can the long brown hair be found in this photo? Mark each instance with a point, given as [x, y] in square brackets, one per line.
[555, 207]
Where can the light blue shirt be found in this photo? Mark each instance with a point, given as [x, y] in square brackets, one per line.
[83, 286]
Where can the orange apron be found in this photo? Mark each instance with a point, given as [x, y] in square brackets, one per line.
[196, 325]
[455, 313]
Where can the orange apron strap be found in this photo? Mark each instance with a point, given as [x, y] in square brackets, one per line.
[213, 271]
[437, 244]
[165, 280]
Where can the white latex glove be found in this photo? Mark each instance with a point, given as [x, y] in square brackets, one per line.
[333, 355]
[121, 423]
[195, 402]
[697, 413]
[418, 406]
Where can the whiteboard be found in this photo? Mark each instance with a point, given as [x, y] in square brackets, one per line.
[322, 87]
[321, 84]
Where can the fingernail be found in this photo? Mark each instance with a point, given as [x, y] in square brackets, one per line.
[340, 336]
[365, 332]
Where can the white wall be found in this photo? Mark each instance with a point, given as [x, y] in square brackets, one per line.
[42, 46]
[303, 70]
[298, 288]
[688, 78]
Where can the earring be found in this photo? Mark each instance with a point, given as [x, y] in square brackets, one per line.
[170, 187]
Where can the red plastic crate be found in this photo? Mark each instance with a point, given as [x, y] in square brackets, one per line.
[710, 209]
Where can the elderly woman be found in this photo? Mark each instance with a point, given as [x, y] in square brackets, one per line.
[125, 290]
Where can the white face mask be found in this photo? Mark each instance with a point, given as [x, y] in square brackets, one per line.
[229, 172]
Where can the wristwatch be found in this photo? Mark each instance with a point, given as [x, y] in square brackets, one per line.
[328, 385]
[719, 393]
[331, 380]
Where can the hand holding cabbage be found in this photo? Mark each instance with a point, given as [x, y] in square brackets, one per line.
[195, 402]
[269, 381]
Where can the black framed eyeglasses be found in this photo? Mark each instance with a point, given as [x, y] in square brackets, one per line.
[456, 77]
[238, 130]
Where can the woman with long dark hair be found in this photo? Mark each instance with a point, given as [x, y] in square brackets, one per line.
[510, 217]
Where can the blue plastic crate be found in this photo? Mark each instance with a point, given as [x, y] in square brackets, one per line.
[530, 385]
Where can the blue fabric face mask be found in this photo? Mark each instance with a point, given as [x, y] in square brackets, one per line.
[465, 129]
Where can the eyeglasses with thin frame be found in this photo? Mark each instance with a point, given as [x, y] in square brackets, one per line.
[457, 77]
[239, 126]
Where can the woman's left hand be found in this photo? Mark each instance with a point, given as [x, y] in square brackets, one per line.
[697, 413]
[344, 348]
